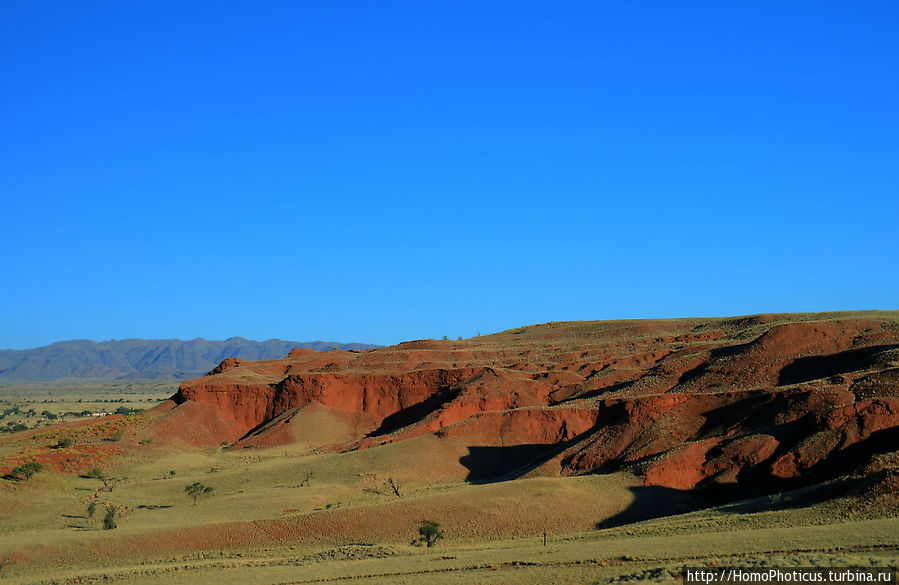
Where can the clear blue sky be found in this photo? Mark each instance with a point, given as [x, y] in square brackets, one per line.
[383, 171]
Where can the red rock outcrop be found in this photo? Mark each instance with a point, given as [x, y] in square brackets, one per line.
[684, 403]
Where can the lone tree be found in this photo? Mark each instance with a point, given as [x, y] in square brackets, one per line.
[429, 532]
[25, 471]
[109, 483]
[197, 489]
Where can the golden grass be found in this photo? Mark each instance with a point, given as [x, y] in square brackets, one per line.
[262, 524]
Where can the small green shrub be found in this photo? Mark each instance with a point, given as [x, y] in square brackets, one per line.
[64, 443]
[25, 471]
[109, 519]
[91, 509]
[95, 473]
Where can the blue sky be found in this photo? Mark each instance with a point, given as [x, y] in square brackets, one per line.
[383, 171]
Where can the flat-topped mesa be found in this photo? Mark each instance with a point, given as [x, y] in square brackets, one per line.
[682, 402]
[380, 396]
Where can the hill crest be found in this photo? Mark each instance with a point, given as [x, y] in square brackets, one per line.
[771, 401]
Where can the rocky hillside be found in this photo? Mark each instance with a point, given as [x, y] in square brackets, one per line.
[766, 402]
[142, 358]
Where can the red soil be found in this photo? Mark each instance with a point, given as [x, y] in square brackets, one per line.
[91, 444]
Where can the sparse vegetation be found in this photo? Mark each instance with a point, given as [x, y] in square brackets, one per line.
[127, 411]
[531, 529]
[74, 400]
[197, 489]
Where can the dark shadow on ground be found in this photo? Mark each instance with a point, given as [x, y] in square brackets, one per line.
[657, 502]
[488, 464]
[414, 413]
[284, 417]
[492, 464]
[714, 355]
[756, 490]
[824, 366]
[600, 391]
[792, 499]
[758, 412]
[654, 502]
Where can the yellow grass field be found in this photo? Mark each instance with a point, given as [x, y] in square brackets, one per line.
[282, 515]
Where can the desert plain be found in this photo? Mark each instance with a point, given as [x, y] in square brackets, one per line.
[566, 452]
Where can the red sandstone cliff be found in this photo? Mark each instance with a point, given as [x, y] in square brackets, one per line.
[767, 399]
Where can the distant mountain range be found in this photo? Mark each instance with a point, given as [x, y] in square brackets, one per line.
[143, 359]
